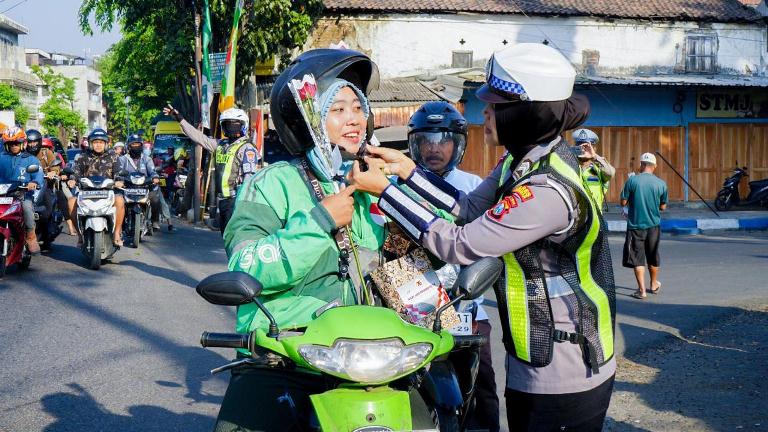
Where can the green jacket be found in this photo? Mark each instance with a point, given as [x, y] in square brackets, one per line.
[279, 234]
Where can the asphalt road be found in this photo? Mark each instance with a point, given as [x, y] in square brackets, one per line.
[117, 349]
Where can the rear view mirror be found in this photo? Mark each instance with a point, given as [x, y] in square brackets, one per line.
[33, 169]
[123, 173]
[229, 288]
[68, 171]
[477, 278]
[56, 162]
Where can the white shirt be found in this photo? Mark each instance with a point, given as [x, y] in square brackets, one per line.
[467, 182]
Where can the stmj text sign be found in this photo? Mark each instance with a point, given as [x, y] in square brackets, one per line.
[731, 103]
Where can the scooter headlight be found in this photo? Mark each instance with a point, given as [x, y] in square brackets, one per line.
[138, 179]
[366, 361]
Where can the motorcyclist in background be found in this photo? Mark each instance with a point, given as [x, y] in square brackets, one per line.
[47, 157]
[13, 165]
[64, 194]
[98, 161]
[119, 148]
[437, 139]
[136, 161]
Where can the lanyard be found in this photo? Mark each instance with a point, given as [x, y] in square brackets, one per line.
[341, 235]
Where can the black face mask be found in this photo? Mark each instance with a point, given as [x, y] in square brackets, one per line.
[232, 130]
[135, 152]
[33, 148]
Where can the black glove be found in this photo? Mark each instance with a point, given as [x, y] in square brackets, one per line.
[173, 112]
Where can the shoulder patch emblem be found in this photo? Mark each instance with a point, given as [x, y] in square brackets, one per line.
[499, 210]
[524, 193]
[250, 155]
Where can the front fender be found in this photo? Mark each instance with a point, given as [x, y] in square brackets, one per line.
[379, 408]
[96, 223]
[440, 386]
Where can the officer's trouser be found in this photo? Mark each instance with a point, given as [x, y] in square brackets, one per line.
[226, 207]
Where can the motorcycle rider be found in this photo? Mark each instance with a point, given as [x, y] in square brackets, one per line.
[119, 148]
[557, 299]
[47, 157]
[295, 233]
[98, 161]
[13, 164]
[136, 161]
[236, 158]
[596, 172]
[437, 139]
[63, 193]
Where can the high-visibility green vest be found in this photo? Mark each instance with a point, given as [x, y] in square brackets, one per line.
[228, 168]
[592, 178]
[585, 263]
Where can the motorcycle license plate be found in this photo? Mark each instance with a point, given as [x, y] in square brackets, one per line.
[136, 191]
[94, 194]
[464, 327]
[6, 200]
[162, 182]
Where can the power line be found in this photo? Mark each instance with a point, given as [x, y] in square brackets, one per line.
[10, 8]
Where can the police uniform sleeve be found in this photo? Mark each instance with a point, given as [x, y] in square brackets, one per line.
[529, 213]
[198, 137]
[249, 158]
[607, 171]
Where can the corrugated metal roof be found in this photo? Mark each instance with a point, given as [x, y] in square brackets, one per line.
[401, 91]
[676, 80]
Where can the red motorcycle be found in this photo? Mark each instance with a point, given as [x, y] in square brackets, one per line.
[13, 247]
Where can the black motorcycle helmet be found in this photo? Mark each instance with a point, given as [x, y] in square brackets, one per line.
[34, 141]
[135, 145]
[436, 123]
[326, 65]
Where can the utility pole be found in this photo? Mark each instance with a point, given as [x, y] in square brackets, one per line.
[127, 116]
[198, 149]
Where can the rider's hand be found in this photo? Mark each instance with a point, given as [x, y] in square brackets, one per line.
[119, 184]
[398, 163]
[340, 206]
[173, 112]
[71, 183]
[63, 177]
[156, 180]
[31, 185]
[373, 181]
[50, 174]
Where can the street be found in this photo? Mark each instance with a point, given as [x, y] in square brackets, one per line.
[117, 349]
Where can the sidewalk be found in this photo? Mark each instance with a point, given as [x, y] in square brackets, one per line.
[694, 218]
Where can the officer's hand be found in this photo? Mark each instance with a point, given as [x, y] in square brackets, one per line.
[119, 184]
[588, 151]
[71, 183]
[340, 206]
[398, 163]
[373, 181]
[173, 112]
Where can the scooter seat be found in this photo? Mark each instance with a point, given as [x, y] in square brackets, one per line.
[758, 184]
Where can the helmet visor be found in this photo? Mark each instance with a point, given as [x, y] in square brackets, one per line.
[437, 151]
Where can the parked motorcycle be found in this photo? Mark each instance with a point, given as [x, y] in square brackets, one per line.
[12, 232]
[48, 220]
[138, 211]
[96, 219]
[729, 194]
[372, 367]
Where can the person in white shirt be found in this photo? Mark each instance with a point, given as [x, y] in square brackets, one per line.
[437, 139]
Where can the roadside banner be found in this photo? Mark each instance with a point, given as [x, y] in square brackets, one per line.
[207, 87]
[227, 99]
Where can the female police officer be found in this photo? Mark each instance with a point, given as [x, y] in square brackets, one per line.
[557, 300]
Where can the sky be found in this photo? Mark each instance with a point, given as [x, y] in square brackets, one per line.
[53, 27]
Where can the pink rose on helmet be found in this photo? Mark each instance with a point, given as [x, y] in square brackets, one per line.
[308, 90]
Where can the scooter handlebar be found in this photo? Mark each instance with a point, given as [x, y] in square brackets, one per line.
[469, 341]
[225, 340]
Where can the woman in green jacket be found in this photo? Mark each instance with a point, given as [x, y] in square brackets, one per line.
[294, 230]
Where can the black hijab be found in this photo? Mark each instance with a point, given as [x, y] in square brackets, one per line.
[523, 125]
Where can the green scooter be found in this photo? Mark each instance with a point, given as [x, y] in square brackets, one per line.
[365, 361]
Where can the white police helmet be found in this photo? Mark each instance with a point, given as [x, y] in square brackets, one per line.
[585, 136]
[234, 114]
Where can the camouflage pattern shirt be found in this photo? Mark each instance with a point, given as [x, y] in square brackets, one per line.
[91, 164]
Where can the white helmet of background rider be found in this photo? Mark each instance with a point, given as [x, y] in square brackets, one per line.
[230, 116]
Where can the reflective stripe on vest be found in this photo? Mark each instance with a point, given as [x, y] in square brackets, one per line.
[505, 168]
[517, 291]
[227, 159]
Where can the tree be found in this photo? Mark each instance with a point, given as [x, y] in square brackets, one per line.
[154, 62]
[11, 101]
[59, 115]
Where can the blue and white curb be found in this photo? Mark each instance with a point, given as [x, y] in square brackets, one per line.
[676, 225]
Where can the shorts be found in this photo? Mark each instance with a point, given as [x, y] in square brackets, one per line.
[641, 246]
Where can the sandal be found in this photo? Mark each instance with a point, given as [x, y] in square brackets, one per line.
[655, 291]
[639, 296]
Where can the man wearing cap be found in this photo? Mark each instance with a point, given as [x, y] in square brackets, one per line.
[557, 296]
[596, 172]
[646, 196]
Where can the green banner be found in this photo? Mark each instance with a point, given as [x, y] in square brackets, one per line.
[227, 98]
